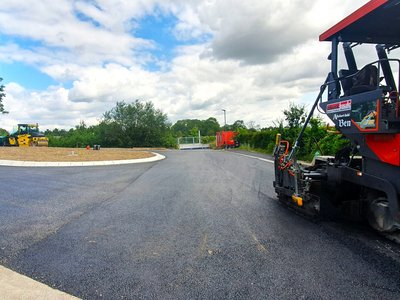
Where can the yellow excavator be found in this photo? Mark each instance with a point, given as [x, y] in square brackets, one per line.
[27, 135]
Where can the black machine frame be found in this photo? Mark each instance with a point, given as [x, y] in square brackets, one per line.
[362, 182]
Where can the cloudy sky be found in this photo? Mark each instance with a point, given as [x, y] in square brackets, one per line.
[64, 61]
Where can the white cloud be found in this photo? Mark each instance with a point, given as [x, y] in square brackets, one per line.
[261, 55]
[54, 28]
[112, 83]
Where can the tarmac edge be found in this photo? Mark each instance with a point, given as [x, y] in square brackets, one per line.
[14, 286]
[17, 163]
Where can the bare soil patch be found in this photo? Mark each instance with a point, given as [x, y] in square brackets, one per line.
[44, 154]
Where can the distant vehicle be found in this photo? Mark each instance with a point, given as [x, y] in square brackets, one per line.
[27, 135]
[226, 139]
[360, 182]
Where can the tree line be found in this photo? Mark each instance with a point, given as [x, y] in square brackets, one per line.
[140, 124]
[136, 124]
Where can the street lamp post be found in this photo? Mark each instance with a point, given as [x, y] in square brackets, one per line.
[224, 128]
[224, 118]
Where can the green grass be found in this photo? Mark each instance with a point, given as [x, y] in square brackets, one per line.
[248, 147]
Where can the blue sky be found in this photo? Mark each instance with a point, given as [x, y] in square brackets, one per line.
[156, 27]
[17, 71]
[26, 75]
[70, 60]
[159, 28]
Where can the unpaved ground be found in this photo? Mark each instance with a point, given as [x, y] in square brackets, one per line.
[70, 154]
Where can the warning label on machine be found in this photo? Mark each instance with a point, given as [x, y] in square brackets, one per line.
[338, 106]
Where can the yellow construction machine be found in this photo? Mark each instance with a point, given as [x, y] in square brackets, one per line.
[27, 135]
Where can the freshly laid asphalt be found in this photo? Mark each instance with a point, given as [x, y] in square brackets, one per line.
[196, 225]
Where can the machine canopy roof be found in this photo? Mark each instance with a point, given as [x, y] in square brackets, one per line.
[377, 22]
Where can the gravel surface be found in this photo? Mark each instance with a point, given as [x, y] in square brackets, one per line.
[197, 225]
[70, 154]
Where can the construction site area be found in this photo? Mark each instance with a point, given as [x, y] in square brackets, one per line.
[313, 214]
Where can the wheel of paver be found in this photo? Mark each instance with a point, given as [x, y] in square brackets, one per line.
[379, 216]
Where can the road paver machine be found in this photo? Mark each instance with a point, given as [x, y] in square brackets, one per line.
[361, 182]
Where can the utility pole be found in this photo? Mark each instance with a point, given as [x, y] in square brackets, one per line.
[224, 135]
[224, 118]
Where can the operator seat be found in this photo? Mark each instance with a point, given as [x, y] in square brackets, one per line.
[346, 80]
[365, 80]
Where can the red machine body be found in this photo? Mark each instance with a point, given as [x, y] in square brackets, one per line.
[226, 139]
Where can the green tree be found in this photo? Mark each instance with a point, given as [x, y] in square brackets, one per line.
[190, 127]
[238, 124]
[3, 132]
[194, 131]
[55, 132]
[82, 125]
[209, 127]
[295, 115]
[135, 125]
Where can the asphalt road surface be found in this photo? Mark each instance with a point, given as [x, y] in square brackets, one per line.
[197, 225]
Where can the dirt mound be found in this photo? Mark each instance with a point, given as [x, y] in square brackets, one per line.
[45, 154]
